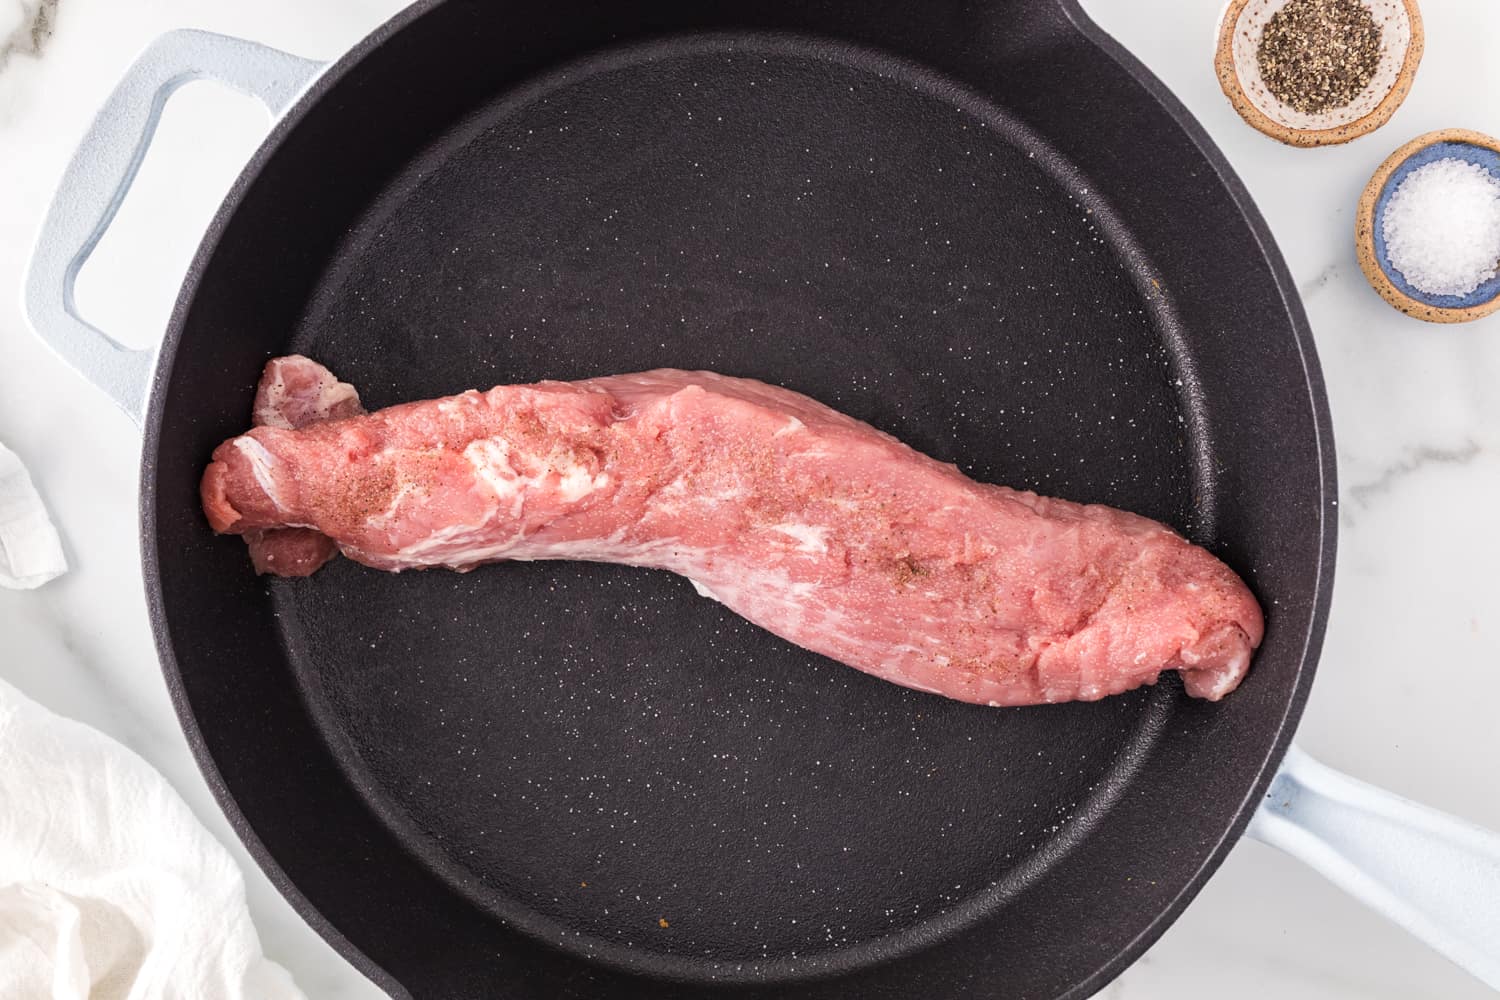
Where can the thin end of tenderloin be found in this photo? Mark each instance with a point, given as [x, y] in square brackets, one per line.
[1215, 665]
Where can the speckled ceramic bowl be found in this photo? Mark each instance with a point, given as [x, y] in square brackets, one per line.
[1240, 31]
[1369, 238]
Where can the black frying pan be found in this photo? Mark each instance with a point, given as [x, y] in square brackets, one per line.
[978, 226]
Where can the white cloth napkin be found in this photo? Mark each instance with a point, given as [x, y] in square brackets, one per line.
[110, 889]
[30, 553]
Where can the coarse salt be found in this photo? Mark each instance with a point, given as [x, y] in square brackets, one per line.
[1442, 227]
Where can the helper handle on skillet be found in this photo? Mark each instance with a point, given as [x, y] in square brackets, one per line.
[1434, 874]
[101, 172]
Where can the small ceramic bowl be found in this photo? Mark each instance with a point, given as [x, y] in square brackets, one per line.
[1369, 228]
[1240, 31]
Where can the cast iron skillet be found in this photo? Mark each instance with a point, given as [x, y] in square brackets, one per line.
[979, 226]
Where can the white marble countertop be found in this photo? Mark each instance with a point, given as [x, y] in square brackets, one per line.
[1416, 612]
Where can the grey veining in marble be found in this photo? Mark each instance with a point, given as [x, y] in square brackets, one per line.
[1414, 461]
[33, 21]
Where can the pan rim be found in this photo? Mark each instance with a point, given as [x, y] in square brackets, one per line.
[1300, 329]
[1322, 421]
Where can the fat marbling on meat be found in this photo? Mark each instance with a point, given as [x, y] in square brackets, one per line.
[809, 523]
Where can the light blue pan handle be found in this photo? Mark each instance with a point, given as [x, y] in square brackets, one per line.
[1435, 875]
[100, 174]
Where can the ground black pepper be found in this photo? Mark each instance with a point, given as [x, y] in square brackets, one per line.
[1319, 54]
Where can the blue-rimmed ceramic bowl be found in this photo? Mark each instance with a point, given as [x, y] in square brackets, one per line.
[1455, 143]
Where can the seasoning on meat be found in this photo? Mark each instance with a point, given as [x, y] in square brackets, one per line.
[805, 521]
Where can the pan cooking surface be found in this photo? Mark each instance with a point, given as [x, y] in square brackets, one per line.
[595, 753]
